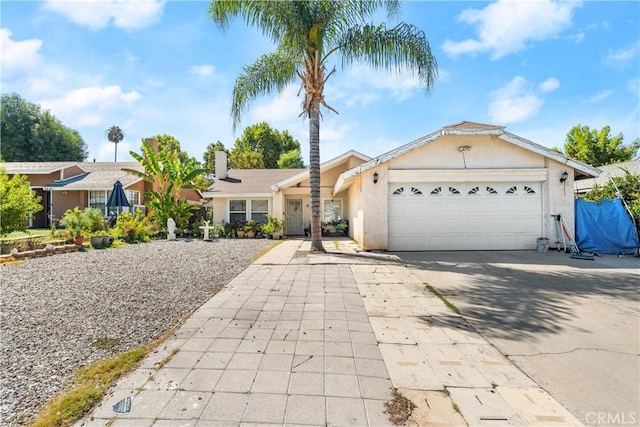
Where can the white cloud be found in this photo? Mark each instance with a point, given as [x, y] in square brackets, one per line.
[622, 56]
[364, 85]
[87, 106]
[549, 85]
[601, 96]
[18, 56]
[284, 107]
[514, 102]
[506, 27]
[98, 14]
[202, 70]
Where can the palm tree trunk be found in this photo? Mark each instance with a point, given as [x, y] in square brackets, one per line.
[314, 180]
[116, 157]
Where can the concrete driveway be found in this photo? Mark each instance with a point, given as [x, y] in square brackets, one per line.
[573, 326]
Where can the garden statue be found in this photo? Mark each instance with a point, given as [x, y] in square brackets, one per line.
[171, 228]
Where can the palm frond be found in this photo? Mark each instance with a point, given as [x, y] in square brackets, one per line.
[403, 48]
[271, 72]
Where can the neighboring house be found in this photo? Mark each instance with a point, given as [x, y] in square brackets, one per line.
[65, 185]
[467, 186]
[583, 186]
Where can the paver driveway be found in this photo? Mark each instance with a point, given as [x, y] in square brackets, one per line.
[572, 325]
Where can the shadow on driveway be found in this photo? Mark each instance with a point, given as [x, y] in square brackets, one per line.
[521, 294]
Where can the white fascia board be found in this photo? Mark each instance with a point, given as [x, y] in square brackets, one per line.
[326, 165]
[553, 155]
[210, 195]
[344, 177]
[467, 175]
[492, 131]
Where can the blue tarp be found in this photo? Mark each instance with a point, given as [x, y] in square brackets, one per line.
[605, 228]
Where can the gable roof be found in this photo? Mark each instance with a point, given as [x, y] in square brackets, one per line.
[264, 182]
[36, 168]
[304, 174]
[248, 182]
[96, 176]
[608, 172]
[468, 128]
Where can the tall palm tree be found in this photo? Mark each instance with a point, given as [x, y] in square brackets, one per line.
[307, 34]
[115, 135]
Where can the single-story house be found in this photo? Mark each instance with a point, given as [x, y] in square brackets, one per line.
[65, 185]
[467, 186]
[583, 186]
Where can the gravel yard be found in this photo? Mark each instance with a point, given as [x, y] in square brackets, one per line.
[56, 310]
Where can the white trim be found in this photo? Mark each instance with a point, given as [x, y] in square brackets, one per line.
[346, 177]
[467, 175]
[326, 165]
[248, 207]
[212, 195]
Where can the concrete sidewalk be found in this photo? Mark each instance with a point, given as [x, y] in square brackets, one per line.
[321, 339]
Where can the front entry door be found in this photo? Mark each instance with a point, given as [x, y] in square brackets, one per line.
[293, 223]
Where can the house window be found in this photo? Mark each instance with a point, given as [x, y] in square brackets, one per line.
[332, 210]
[436, 191]
[474, 190]
[453, 190]
[133, 197]
[529, 190]
[259, 210]
[491, 190]
[244, 210]
[237, 211]
[98, 199]
[512, 190]
[416, 191]
[398, 191]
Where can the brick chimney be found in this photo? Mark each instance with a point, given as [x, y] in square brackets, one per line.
[221, 164]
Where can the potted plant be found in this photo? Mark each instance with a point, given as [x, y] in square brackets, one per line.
[76, 221]
[240, 230]
[217, 230]
[96, 224]
[250, 228]
[273, 226]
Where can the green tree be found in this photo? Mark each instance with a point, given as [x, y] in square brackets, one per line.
[169, 175]
[308, 34]
[209, 156]
[17, 202]
[598, 147]
[169, 144]
[291, 160]
[629, 187]
[29, 134]
[115, 135]
[261, 147]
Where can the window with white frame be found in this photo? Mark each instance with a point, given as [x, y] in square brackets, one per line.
[237, 211]
[332, 210]
[259, 210]
[133, 197]
[98, 199]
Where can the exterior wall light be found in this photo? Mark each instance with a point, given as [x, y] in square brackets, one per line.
[375, 177]
[564, 177]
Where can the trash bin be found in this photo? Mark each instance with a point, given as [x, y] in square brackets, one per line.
[543, 244]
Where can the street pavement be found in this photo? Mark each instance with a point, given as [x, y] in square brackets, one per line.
[300, 338]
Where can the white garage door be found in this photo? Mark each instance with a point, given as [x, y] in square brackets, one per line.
[464, 216]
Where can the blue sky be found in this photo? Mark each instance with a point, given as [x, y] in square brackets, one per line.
[154, 67]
